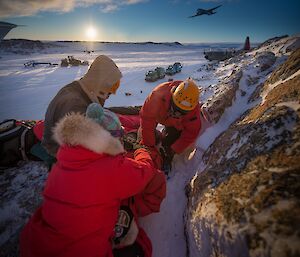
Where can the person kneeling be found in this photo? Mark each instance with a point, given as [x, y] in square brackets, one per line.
[84, 189]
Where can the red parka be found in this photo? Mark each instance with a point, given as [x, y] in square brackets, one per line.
[149, 200]
[83, 192]
[156, 110]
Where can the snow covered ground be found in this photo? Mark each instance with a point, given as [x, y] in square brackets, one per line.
[26, 92]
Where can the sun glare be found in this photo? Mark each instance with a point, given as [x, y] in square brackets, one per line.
[91, 33]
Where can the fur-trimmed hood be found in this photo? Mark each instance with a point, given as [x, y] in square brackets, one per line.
[76, 129]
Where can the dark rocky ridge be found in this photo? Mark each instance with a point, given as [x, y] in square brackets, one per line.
[246, 201]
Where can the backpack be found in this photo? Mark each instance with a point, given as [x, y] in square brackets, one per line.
[16, 139]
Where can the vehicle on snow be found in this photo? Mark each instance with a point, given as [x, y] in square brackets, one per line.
[173, 69]
[153, 75]
[70, 60]
[161, 72]
[178, 66]
[170, 70]
[34, 63]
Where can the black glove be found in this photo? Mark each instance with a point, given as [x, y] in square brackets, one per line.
[167, 153]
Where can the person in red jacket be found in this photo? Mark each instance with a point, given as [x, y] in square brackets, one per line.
[176, 106]
[84, 190]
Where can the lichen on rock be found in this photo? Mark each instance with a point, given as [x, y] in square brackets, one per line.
[246, 200]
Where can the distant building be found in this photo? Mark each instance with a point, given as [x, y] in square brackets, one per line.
[247, 44]
[5, 27]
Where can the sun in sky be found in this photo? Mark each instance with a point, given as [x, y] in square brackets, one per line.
[91, 33]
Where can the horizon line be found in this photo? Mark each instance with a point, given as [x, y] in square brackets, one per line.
[133, 42]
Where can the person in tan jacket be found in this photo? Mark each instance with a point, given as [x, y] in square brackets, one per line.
[101, 80]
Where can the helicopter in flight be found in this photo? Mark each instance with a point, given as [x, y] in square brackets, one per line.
[204, 11]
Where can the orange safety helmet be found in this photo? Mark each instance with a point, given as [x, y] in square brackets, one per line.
[186, 95]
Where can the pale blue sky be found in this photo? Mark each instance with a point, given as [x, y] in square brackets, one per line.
[151, 20]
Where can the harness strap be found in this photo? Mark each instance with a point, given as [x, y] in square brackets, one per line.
[22, 146]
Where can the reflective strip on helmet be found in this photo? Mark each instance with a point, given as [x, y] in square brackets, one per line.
[186, 103]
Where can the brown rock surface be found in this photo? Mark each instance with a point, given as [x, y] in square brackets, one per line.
[265, 60]
[224, 99]
[291, 66]
[246, 201]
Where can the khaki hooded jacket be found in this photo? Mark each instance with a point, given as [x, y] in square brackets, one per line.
[76, 96]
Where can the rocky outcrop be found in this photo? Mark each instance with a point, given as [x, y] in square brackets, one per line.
[219, 102]
[246, 200]
[291, 66]
[284, 71]
[271, 40]
[265, 60]
[294, 46]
